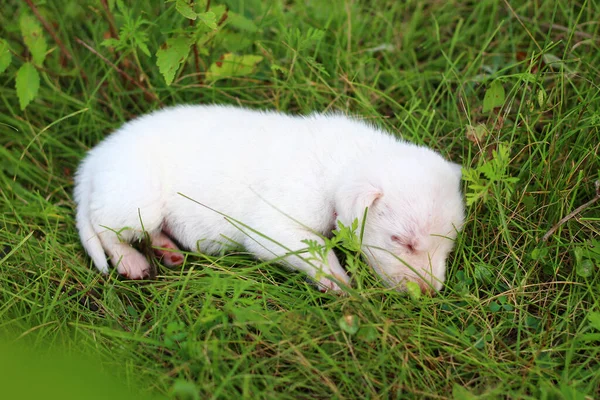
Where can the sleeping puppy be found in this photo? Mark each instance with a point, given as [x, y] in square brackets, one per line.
[210, 176]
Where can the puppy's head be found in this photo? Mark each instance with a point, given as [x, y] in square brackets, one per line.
[415, 210]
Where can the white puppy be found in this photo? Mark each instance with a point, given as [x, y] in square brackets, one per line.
[213, 176]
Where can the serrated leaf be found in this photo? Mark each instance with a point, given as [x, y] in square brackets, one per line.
[209, 18]
[172, 56]
[5, 55]
[232, 65]
[33, 37]
[27, 84]
[185, 8]
[494, 96]
[594, 318]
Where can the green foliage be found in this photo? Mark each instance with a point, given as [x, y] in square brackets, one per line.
[494, 96]
[489, 176]
[27, 83]
[594, 318]
[173, 54]
[587, 258]
[5, 55]
[413, 289]
[186, 9]
[349, 324]
[303, 40]
[231, 65]
[27, 78]
[209, 19]
[33, 37]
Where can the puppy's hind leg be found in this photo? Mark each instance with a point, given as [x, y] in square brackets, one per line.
[165, 249]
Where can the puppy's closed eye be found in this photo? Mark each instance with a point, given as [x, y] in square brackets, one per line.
[404, 242]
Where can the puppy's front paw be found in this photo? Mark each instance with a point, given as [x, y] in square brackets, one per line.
[133, 265]
[326, 284]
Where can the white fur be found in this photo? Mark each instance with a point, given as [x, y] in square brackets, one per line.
[288, 178]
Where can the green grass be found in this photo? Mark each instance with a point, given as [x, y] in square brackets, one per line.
[518, 317]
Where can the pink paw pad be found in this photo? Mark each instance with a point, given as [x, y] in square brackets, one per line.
[166, 250]
[170, 258]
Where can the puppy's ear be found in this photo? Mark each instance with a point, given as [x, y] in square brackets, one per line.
[352, 200]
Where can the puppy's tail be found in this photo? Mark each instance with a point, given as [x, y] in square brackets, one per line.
[87, 233]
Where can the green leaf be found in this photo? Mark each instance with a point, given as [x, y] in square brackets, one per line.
[33, 38]
[209, 19]
[232, 65]
[541, 97]
[172, 56]
[279, 68]
[234, 42]
[585, 268]
[144, 48]
[594, 318]
[367, 333]
[413, 290]
[483, 273]
[494, 96]
[349, 324]
[296, 39]
[532, 322]
[110, 42]
[494, 307]
[27, 84]
[5, 55]
[477, 134]
[185, 8]
[317, 65]
[539, 253]
[122, 8]
[240, 22]
[185, 390]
